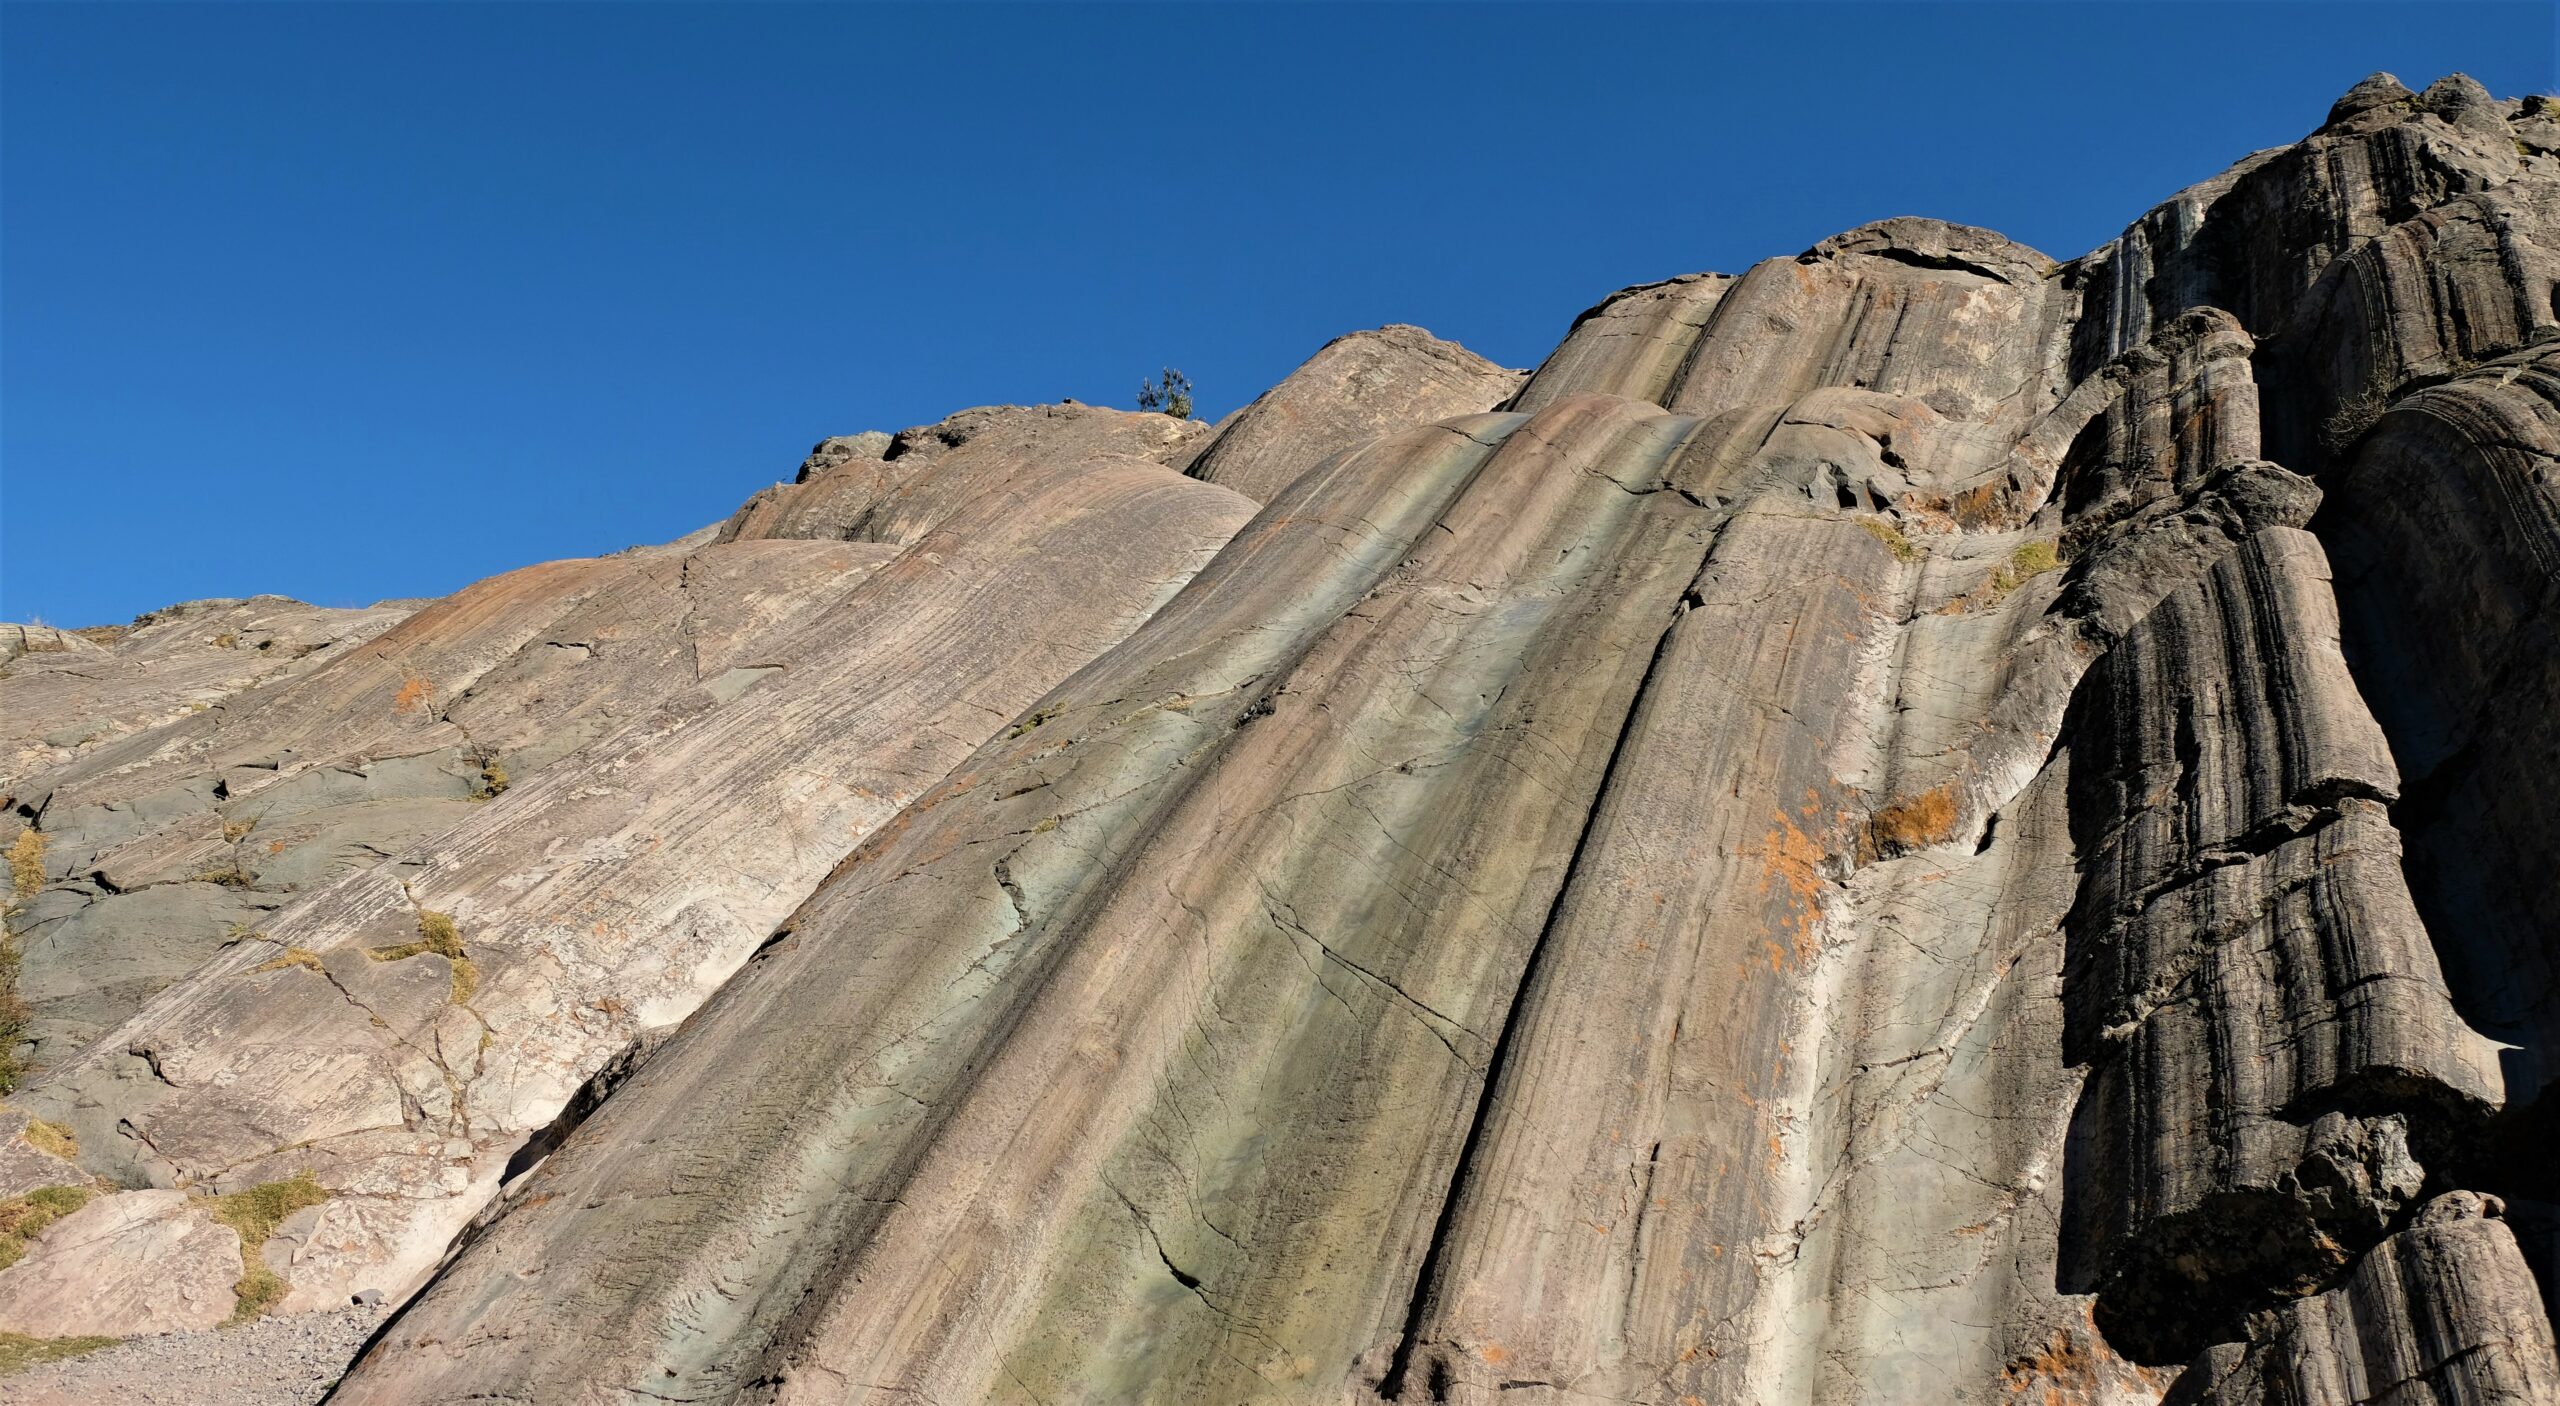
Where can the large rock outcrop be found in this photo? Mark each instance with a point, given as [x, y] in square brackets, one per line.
[1918, 823]
[1351, 391]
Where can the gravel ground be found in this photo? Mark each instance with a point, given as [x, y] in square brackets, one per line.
[276, 1361]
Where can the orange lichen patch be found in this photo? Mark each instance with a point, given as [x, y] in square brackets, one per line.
[1791, 871]
[1494, 1353]
[413, 694]
[1979, 506]
[1915, 822]
[2075, 1368]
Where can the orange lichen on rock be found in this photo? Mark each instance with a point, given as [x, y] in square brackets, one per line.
[1791, 870]
[2076, 1368]
[1915, 822]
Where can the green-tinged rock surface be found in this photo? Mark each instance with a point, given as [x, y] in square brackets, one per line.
[1916, 823]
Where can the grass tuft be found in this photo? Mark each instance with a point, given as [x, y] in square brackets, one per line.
[22, 1218]
[1038, 716]
[13, 1012]
[2348, 423]
[302, 957]
[56, 1138]
[437, 934]
[18, 1352]
[1892, 538]
[255, 1214]
[26, 862]
[2029, 561]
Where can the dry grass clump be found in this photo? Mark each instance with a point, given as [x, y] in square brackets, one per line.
[302, 957]
[18, 1352]
[1892, 537]
[2029, 561]
[2026, 562]
[2348, 423]
[13, 1016]
[1038, 716]
[437, 934]
[22, 1218]
[255, 1214]
[55, 1138]
[26, 862]
[26, 872]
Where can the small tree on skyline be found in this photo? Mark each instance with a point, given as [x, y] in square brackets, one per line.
[1169, 393]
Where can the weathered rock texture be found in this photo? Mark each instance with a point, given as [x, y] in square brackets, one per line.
[1350, 392]
[1917, 824]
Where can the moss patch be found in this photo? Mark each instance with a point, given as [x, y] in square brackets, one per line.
[18, 1352]
[437, 934]
[22, 1218]
[493, 779]
[55, 1138]
[255, 1214]
[2029, 561]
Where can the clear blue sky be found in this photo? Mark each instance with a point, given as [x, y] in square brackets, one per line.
[356, 301]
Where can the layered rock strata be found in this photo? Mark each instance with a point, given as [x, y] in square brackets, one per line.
[1915, 824]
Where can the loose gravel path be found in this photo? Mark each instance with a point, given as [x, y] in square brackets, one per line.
[276, 1361]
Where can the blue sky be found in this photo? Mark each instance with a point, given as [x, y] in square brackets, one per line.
[356, 301]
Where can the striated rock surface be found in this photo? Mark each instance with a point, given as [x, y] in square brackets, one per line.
[120, 1266]
[402, 1028]
[1353, 390]
[2442, 1312]
[1917, 823]
[68, 693]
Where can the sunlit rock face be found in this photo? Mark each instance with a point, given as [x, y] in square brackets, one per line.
[1912, 824]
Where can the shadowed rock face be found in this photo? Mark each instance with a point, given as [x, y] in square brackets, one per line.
[1915, 824]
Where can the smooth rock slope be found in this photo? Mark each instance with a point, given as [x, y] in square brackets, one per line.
[1918, 823]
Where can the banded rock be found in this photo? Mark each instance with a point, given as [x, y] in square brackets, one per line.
[1916, 823]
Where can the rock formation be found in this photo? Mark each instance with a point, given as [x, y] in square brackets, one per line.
[1916, 824]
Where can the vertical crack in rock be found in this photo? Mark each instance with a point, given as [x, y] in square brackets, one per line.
[1392, 1384]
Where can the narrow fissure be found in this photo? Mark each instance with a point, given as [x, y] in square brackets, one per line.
[1391, 1386]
